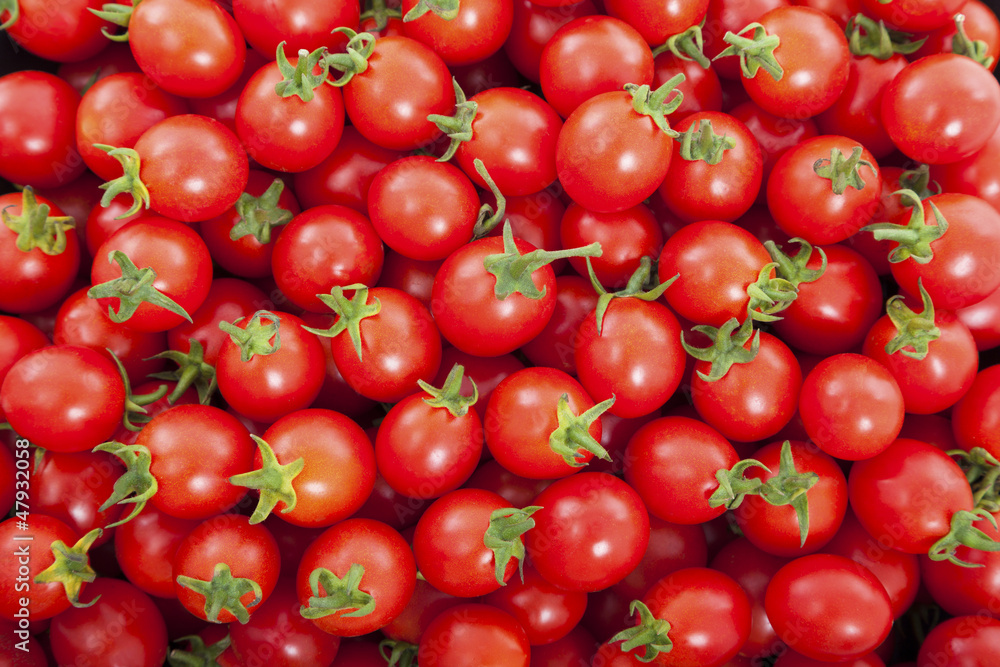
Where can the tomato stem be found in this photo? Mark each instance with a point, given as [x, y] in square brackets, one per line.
[192, 371]
[136, 485]
[573, 432]
[129, 182]
[754, 52]
[659, 103]
[793, 269]
[273, 481]
[769, 296]
[458, 126]
[338, 594]
[449, 395]
[700, 142]
[790, 487]
[915, 330]
[354, 60]
[978, 50]
[842, 170]
[400, 653]
[256, 337]
[982, 471]
[381, 14]
[117, 14]
[132, 289]
[224, 591]
[650, 632]
[865, 37]
[258, 215]
[35, 228]
[639, 286]
[914, 238]
[349, 312]
[135, 412]
[503, 538]
[71, 568]
[727, 347]
[687, 45]
[488, 219]
[919, 180]
[14, 8]
[198, 653]
[445, 9]
[300, 80]
[963, 533]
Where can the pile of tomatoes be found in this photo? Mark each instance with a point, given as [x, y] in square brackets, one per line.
[500, 333]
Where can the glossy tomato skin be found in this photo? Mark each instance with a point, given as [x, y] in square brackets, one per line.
[804, 204]
[723, 16]
[591, 532]
[323, 247]
[476, 32]
[971, 108]
[960, 641]
[915, 15]
[696, 190]
[250, 551]
[975, 419]
[192, 48]
[191, 486]
[809, 85]
[608, 156]
[72, 487]
[533, 26]
[908, 494]
[193, 166]
[828, 607]
[38, 139]
[775, 134]
[67, 33]
[555, 346]
[288, 133]
[43, 600]
[270, 386]
[389, 577]
[671, 462]
[122, 627]
[701, 640]
[671, 547]
[41, 406]
[776, 529]
[175, 253]
[625, 237]
[339, 465]
[973, 175]
[145, 547]
[656, 21]
[546, 613]
[400, 64]
[468, 312]
[17, 338]
[521, 416]
[304, 24]
[637, 357]
[851, 406]
[961, 590]
[474, 634]
[33, 280]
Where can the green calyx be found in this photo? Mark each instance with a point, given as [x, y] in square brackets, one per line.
[35, 228]
[919, 180]
[445, 9]
[381, 14]
[224, 591]
[733, 486]
[982, 471]
[273, 482]
[355, 58]
[136, 485]
[842, 170]
[339, 595]
[13, 8]
[640, 286]
[398, 653]
[513, 270]
[793, 269]
[914, 238]
[256, 337]
[978, 49]
[963, 533]
[769, 296]
[198, 654]
[458, 126]
[865, 37]
[659, 103]
[790, 487]
[728, 347]
[135, 410]
[449, 396]
[349, 312]
[754, 52]
[132, 289]
[117, 14]
[258, 215]
[503, 538]
[915, 330]
[702, 143]
[687, 45]
[300, 80]
[71, 568]
[129, 182]
[651, 633]
[488, 219]
[573, 433]
[192, 371]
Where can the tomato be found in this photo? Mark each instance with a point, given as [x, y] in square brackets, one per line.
[474, 31]
[973, 175]
[421, 208]
[38, 140]
[671, 547]
[324, 247]
[731, 16]
[426, 603]
[72, 487]
[67, 33]
[295, 129]
[656, 21]
[574, 649]
[960, 641]
[980, 25]
[852, 406]
[474, 634]
[774, 134]
[188, 47]
[533, 26]
[555, 345]
[546, 613]
[121, 626]
[592, 55]
[915, 15]
[969, 108]
[40, 274]
[304, 24]
[270, 366]
[828, 607]
[625, 237]
[169, 252]
[591, 532]
[41, 406]
[17, 338]
[975, 419]
[222, 107]
[145, 548]
[365, 566]
[113, 58]
[225, 568]
[715, 172]
[277, 630]
[336, 476]
[117, 110]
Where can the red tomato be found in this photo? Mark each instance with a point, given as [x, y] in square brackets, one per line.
[546, 613]
[915, 15]
[474, 634]
[533, 26]
[477, 29]
[27, 560]
[960, 641]
[145, 548]
[975, 419]
[72, 487]
[303, 24]
[625, 237]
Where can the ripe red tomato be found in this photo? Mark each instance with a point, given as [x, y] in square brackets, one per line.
[303, 24]
[476, 30]
[145, 548]
[957, 641]
[474, 634]
[975, 419]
